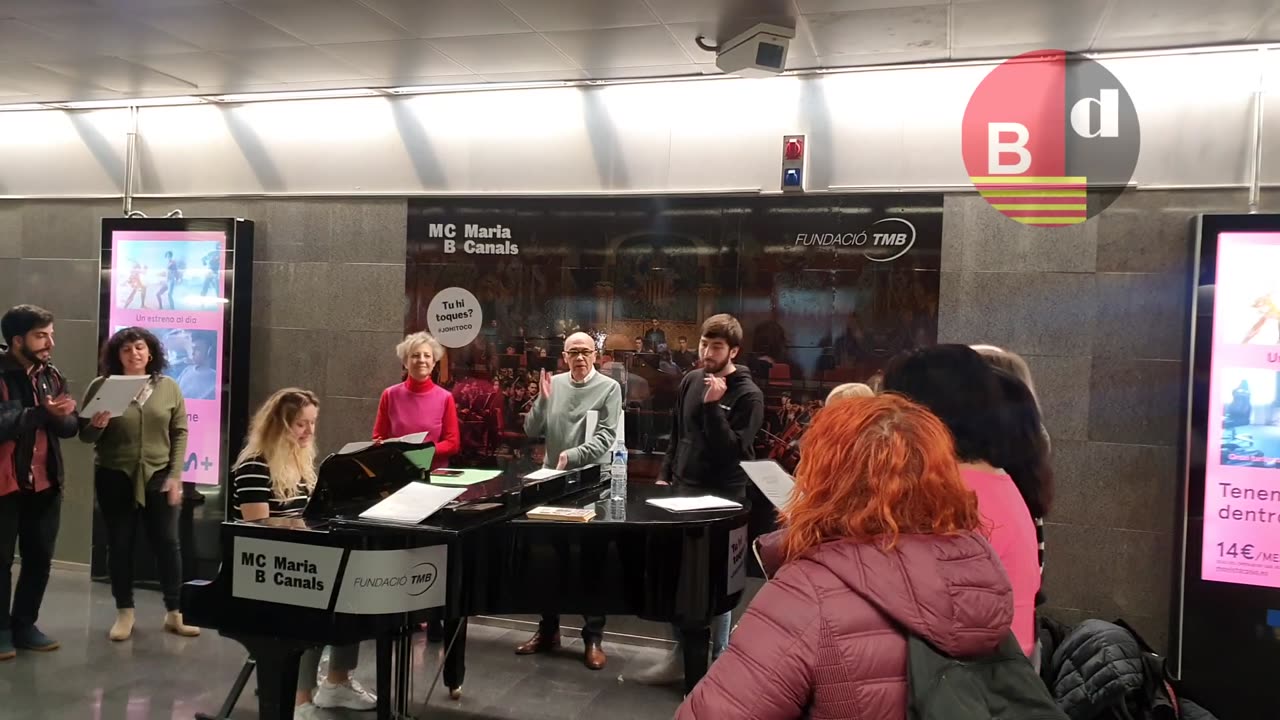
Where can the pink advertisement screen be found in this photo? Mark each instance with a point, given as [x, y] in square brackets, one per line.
[171, 283]
[1242, 469]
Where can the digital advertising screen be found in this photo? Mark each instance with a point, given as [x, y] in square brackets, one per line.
[1224, 638]
[171, 283]
[1241, 542]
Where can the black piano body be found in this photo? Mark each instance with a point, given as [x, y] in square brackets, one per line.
[479, 556]
[632, 558]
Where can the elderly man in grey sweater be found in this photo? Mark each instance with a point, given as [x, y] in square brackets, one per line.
[561, 414]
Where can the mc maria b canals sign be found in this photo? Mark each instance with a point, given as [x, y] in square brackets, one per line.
[1046, 133]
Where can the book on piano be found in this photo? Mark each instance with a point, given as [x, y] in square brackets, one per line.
[562, 514]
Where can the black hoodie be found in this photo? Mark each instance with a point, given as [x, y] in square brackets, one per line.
[710, 440]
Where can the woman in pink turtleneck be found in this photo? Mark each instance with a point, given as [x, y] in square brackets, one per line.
[418, 404]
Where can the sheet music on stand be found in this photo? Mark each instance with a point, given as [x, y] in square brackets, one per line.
[771, 479]
[412, 503]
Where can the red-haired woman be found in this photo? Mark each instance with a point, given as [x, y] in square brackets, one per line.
[879, 537]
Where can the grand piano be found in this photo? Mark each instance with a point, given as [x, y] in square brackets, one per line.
[334, 578]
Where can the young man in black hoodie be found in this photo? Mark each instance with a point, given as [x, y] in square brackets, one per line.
[35, 412]
[719, 409]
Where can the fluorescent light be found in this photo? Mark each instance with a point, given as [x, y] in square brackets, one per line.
[294, 95]
[135, 102]
[24, 106]
[472, 87]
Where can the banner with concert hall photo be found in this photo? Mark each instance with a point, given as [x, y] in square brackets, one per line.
[827, 289]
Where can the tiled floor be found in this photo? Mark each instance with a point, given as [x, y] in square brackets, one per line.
[156, 676]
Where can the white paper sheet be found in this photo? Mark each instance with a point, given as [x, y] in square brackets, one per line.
[355, 447]
[772, 480]
[413, 503]
[115, 394]
[544, 473]
[692, 504]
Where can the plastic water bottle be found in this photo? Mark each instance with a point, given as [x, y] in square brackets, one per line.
[618, 471]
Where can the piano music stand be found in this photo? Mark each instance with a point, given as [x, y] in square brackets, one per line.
[352, 483]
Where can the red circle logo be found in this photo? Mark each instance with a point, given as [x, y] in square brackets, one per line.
[1046, 133]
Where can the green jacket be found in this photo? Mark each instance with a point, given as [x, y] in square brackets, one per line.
[144, 440]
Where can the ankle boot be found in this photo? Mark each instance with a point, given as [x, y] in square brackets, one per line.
[122, 629]
[173, 623]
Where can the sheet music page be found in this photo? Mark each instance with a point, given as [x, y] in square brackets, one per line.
[691, 504]
[544, 473]
[772, 480]
[354, 447]
[412, 503]
[412, 439]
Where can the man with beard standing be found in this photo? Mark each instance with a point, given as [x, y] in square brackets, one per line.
[35, 412]
[719, 409]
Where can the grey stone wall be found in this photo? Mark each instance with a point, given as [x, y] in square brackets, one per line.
[1100, 312]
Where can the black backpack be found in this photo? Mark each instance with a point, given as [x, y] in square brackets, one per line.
[999, 686]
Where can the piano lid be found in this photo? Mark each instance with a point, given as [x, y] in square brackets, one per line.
[351, 482]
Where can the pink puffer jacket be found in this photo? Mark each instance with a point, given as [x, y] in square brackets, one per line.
[824, 635]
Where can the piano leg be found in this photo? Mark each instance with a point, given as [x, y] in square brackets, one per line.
[696, 643]
[383, 679]
[277, 662]
[455, 659]
[237, 687]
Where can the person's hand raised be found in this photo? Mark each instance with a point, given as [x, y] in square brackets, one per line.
[544, 384]
[60, 407]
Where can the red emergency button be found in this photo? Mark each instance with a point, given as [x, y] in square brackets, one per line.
[793, 149]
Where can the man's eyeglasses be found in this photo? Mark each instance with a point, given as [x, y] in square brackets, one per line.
[578, 352]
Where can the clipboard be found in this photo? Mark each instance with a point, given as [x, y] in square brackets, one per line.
[114, 395]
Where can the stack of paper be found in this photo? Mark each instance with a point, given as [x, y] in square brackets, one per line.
[412, 503]
[692, 504]
[545, 474]
[461, 477]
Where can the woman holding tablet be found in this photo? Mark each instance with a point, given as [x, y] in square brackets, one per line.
[137, 476]
[272, 478]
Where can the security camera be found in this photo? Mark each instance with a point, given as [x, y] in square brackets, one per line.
[761, 51]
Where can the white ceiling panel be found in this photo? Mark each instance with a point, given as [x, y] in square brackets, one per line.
[398, 58]
[325, 21]
[159, 46]
[1047, 23]
[651, 71]
[297, 64]
[620, 47]
[219, 27]
[526, 52]
[1167, 17]
[109, 33]
[203, 69]
[687, 11]
[536, 76]
[21, 41]
[881, 30]
[550, 15]
[46, 83]
[450, 18]
[810, 7]
[121, 76]
[38, 8]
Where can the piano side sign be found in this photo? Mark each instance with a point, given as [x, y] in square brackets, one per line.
[374, 582]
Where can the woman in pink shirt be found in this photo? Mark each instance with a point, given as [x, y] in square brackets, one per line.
[966, 394]
[418, 404]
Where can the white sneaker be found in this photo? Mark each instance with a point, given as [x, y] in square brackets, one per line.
[667, 672]
[307, 711]
[350, 696]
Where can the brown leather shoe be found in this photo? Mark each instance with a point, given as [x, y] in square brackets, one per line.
[593, 657]
[539, 643]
